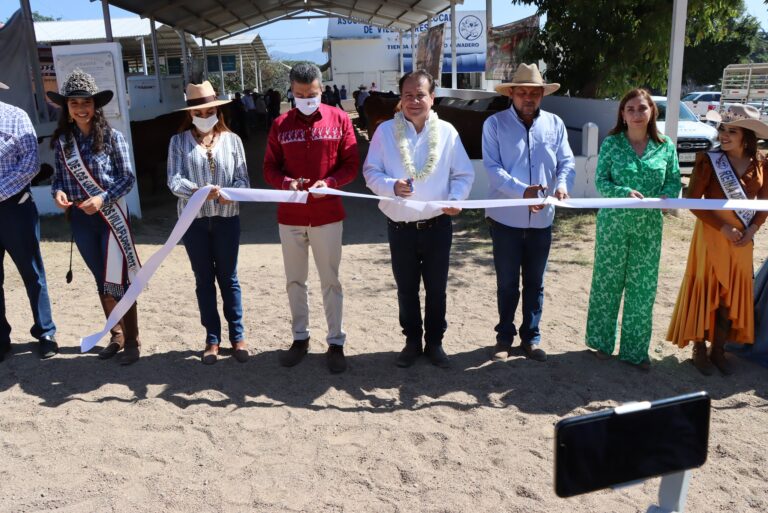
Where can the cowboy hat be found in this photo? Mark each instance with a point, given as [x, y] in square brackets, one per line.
[80, 84]
[743, 116]
[527, 75]
[3, 86]
[202, 96]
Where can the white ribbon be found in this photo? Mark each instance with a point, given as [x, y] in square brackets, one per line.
[196, 202]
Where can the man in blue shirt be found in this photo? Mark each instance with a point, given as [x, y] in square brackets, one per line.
[526, 155]
[20, 229]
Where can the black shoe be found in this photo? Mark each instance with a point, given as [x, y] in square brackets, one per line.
[534, 352]
[48, 347]
[337, 363]
[437, 356]
[409, 354]
[5, 351]
[500, 352]
[295, 354]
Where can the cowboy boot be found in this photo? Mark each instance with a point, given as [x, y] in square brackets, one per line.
[700, 359]
[116, 340]
[131, 332]
[717, 353]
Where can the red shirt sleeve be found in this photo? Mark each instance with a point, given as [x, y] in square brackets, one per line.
[273, 161]
[348, 161]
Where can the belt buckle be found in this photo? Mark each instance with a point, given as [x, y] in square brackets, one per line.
[424, 223]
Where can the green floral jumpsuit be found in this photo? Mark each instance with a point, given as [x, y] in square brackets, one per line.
[628, 245]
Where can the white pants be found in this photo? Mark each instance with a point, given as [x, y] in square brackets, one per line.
[325, 242]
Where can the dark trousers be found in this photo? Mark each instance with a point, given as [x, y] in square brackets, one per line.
[91, 235]
[517, 250]
[421, 254]
[212, 244]
[20, 238]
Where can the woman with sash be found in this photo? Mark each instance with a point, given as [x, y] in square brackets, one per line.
[206, 152]
[715, 300]
[93, 175]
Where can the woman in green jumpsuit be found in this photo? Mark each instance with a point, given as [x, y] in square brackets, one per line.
[635, 161]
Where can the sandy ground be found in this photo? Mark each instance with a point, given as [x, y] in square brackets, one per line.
[169, 434]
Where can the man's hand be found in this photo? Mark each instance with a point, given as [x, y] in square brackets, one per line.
[533, 192]
[61, 200]
[403, 188]
[561, 194]
[92, 205]
[318, 185]
[451, 211]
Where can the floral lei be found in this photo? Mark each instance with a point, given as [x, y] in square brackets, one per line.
[405, 148]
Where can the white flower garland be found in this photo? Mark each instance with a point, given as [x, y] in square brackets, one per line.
[405, 147]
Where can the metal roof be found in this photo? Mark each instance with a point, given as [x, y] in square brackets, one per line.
[220, 19]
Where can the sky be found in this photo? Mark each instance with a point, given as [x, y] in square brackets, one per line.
[297, 36]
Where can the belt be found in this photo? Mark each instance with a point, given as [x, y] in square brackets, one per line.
[16, 197]
[423, 224]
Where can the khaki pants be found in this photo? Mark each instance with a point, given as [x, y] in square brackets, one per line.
[325, 242]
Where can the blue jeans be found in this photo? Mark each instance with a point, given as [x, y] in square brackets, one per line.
[91, 234]
[516, 250]
[212, 244]
[421, 254]
[20, 238]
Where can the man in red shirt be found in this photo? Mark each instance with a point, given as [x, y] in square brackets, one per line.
[312, 145]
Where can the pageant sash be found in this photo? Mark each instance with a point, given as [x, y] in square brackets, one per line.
[730, 184]
[121, 250]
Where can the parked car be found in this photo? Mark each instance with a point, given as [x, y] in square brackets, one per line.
[702, 101]
[693, 135]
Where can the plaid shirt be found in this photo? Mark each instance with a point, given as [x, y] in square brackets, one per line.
[111, 167]
[189, 169]
[18, 151]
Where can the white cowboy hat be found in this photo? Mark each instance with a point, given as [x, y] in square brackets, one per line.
[743, 116]
[202, 96]
[527, 75]
[3, 86]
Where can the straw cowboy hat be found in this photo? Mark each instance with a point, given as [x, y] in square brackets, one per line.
[202, 96]
[527, 75]
[743, 116]
[80, 84]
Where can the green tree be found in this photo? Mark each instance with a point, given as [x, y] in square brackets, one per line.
[760, 48]
[36, 16]
[601, 48]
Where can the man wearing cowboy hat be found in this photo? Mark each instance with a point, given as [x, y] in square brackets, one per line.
[526, 155]
[21, 238]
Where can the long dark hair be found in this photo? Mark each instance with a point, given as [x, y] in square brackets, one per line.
[653, 130]
[219, 127]
[101, 130]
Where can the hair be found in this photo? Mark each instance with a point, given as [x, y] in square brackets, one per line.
[653, 130]
[100, 128]
[219, 127]
[419, 73]
[306, 73]
[750, 142]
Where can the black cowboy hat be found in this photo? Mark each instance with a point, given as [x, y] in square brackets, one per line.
[80, 84]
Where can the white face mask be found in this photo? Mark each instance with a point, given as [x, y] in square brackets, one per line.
[205, 125]
[307, 105]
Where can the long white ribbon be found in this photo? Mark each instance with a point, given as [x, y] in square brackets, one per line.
[266, 195]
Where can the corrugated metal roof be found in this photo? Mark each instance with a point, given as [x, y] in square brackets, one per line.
[81, 30]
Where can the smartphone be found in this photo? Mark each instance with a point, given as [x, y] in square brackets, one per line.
[630, 443]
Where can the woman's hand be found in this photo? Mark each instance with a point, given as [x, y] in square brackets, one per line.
[403, 188]
[214, 193]
[92, 205]
[61, 200]
[747, 236]
[731, 233]
[635, 194]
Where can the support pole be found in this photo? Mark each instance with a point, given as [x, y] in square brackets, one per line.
[156, 59]
[413, 48]
[34, 62]
[223, 91]
[454, 76]
[107, 20]
[184, 63]
[242, 70]
[144, 56]
[679, 14]
[402, 57]
[205, 62]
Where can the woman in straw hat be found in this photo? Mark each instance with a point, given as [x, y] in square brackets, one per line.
[93, 175]
[635, 161]
[715, 300]
[206, 152]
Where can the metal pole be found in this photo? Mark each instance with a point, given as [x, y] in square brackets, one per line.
[402, 63]
[242, 70]
[144, 56]
[454, 77]
[156, 59]
[221, 71]
[679, 14]
[107, 20]
[413, 49]
[488, 28]
[34, 61]
[185, 66]
[259, 78]
[205, 62]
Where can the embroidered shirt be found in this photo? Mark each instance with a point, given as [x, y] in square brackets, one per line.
[516, 156]
[111, 167]
[451, 179]
[189, 169]
[317, 147]
[18, 151]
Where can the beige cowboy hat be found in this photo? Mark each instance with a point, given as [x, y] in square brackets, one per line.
[743, 116]
[3, 86]
[527, 75]
[202, 96]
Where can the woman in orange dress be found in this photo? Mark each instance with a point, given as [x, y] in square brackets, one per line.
[715, 300]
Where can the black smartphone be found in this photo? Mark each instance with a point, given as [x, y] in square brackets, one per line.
[630, 443]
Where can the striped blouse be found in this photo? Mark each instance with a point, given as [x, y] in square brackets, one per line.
[189, 169]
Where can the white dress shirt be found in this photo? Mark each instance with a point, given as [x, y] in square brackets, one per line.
[450, 180]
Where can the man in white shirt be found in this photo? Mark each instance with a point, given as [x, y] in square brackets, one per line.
[420, 157]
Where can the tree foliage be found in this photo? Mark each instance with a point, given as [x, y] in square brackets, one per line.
[602, 48]
[760, 47]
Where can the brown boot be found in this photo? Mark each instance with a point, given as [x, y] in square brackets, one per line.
[116, 341]
[700, 359]
[131, 332]
[717, 353]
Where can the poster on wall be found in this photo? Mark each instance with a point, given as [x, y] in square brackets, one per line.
[100, 66]
[429, 53]
[506, 45]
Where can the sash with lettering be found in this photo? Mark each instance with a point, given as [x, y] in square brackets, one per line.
[121, 251]
[730, 184]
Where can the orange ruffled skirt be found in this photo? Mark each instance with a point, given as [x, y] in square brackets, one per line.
[718, 274]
